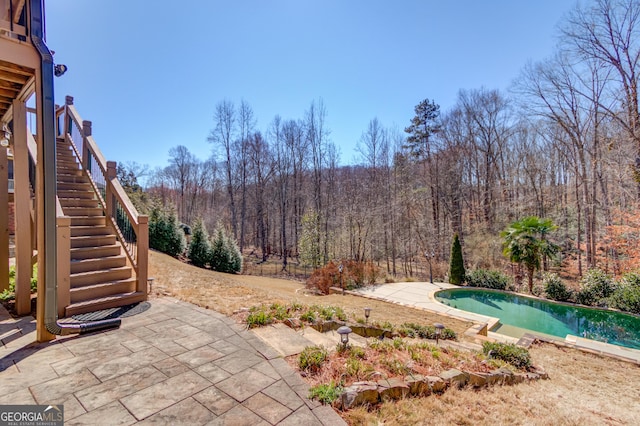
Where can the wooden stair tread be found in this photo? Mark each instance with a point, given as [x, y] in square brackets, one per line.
[121, 299]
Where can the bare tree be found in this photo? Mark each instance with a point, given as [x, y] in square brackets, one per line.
[222, 138]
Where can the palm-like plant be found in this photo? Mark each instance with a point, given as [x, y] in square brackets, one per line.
[525, 243]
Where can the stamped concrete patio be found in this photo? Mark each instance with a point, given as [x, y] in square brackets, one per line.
[172, 364]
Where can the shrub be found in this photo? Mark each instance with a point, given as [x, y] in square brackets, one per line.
[10, 293]
[325, 393]
[410, 329]
[164, 233]
[555, 289]
[312, 358]
[456, 264]
[487, 279]
[199, 248]
[595, 287]
[259, 318]
[517, 356]
[324, 278]
[225, 254]
[627, 296]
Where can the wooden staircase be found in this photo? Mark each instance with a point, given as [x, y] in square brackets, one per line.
[101, 276]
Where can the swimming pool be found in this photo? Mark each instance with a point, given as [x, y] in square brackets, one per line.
[543, 316]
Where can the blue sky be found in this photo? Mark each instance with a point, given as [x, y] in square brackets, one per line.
[149, 73]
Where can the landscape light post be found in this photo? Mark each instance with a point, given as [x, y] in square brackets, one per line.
[439, 327]
[367, 312]
[344, 335]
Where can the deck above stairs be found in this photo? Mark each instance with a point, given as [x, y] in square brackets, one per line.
[101, 276]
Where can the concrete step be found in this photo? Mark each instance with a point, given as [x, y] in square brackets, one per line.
[98, 263]
[100, 290]
[93, 240]
[95, 252]
[98, 304]
[102, 276]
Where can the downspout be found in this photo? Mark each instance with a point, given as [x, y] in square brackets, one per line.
[47, 126]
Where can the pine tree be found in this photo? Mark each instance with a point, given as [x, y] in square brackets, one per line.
[199, 248]
[219, 259]
[456, 264]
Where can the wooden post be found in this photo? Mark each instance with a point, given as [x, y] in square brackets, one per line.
[63, 236]
[22, 202]
[111, 175]
[86, 132]
[142, 258]
[4, 219]
[68, 100]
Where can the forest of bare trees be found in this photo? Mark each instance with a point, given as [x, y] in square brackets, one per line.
[563, 144]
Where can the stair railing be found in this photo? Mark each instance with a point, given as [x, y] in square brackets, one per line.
[132, 228]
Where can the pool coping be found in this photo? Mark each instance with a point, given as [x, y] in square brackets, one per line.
[483, 324]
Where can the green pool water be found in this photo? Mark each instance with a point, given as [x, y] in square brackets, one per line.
[547, 317]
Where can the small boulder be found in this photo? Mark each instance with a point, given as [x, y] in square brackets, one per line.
[478, 380]
[458, 377]
[294, 323]
[539, 371]
[359, 393]
[418, 385]
[392, 389]
[436, 384]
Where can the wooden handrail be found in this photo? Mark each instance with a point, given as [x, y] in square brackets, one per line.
[114, 190]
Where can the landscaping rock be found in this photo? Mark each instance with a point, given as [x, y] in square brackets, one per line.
[478, 380]
[458, 377]
[392, 389]
[418, 385]
[294, 323]
[359, 393]
[504, 375]
[436, 384]
[539, 371]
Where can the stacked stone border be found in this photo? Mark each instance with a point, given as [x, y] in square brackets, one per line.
[374, 392]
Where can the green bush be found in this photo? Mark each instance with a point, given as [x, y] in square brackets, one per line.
[164, 233]
[409, 329]
[259, 318]
[10, 293]
[312, 358]
[225, 254]
[595, 287]
[325, 393]
[517, 356]
[456, 265]
[487, 279]
[199, 248]
[627, 296]
[555, 289]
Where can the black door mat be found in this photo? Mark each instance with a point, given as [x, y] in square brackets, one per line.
[120, 312]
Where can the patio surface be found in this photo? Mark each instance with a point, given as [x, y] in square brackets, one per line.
[172, 364]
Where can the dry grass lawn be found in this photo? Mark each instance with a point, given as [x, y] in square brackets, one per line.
[583, 389]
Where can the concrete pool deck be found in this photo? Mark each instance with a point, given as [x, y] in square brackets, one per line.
[422, 295]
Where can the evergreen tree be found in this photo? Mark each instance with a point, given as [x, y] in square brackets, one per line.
[164, 233]
[456, 264]
[199, 248]
[233, 254]
[219, 258]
